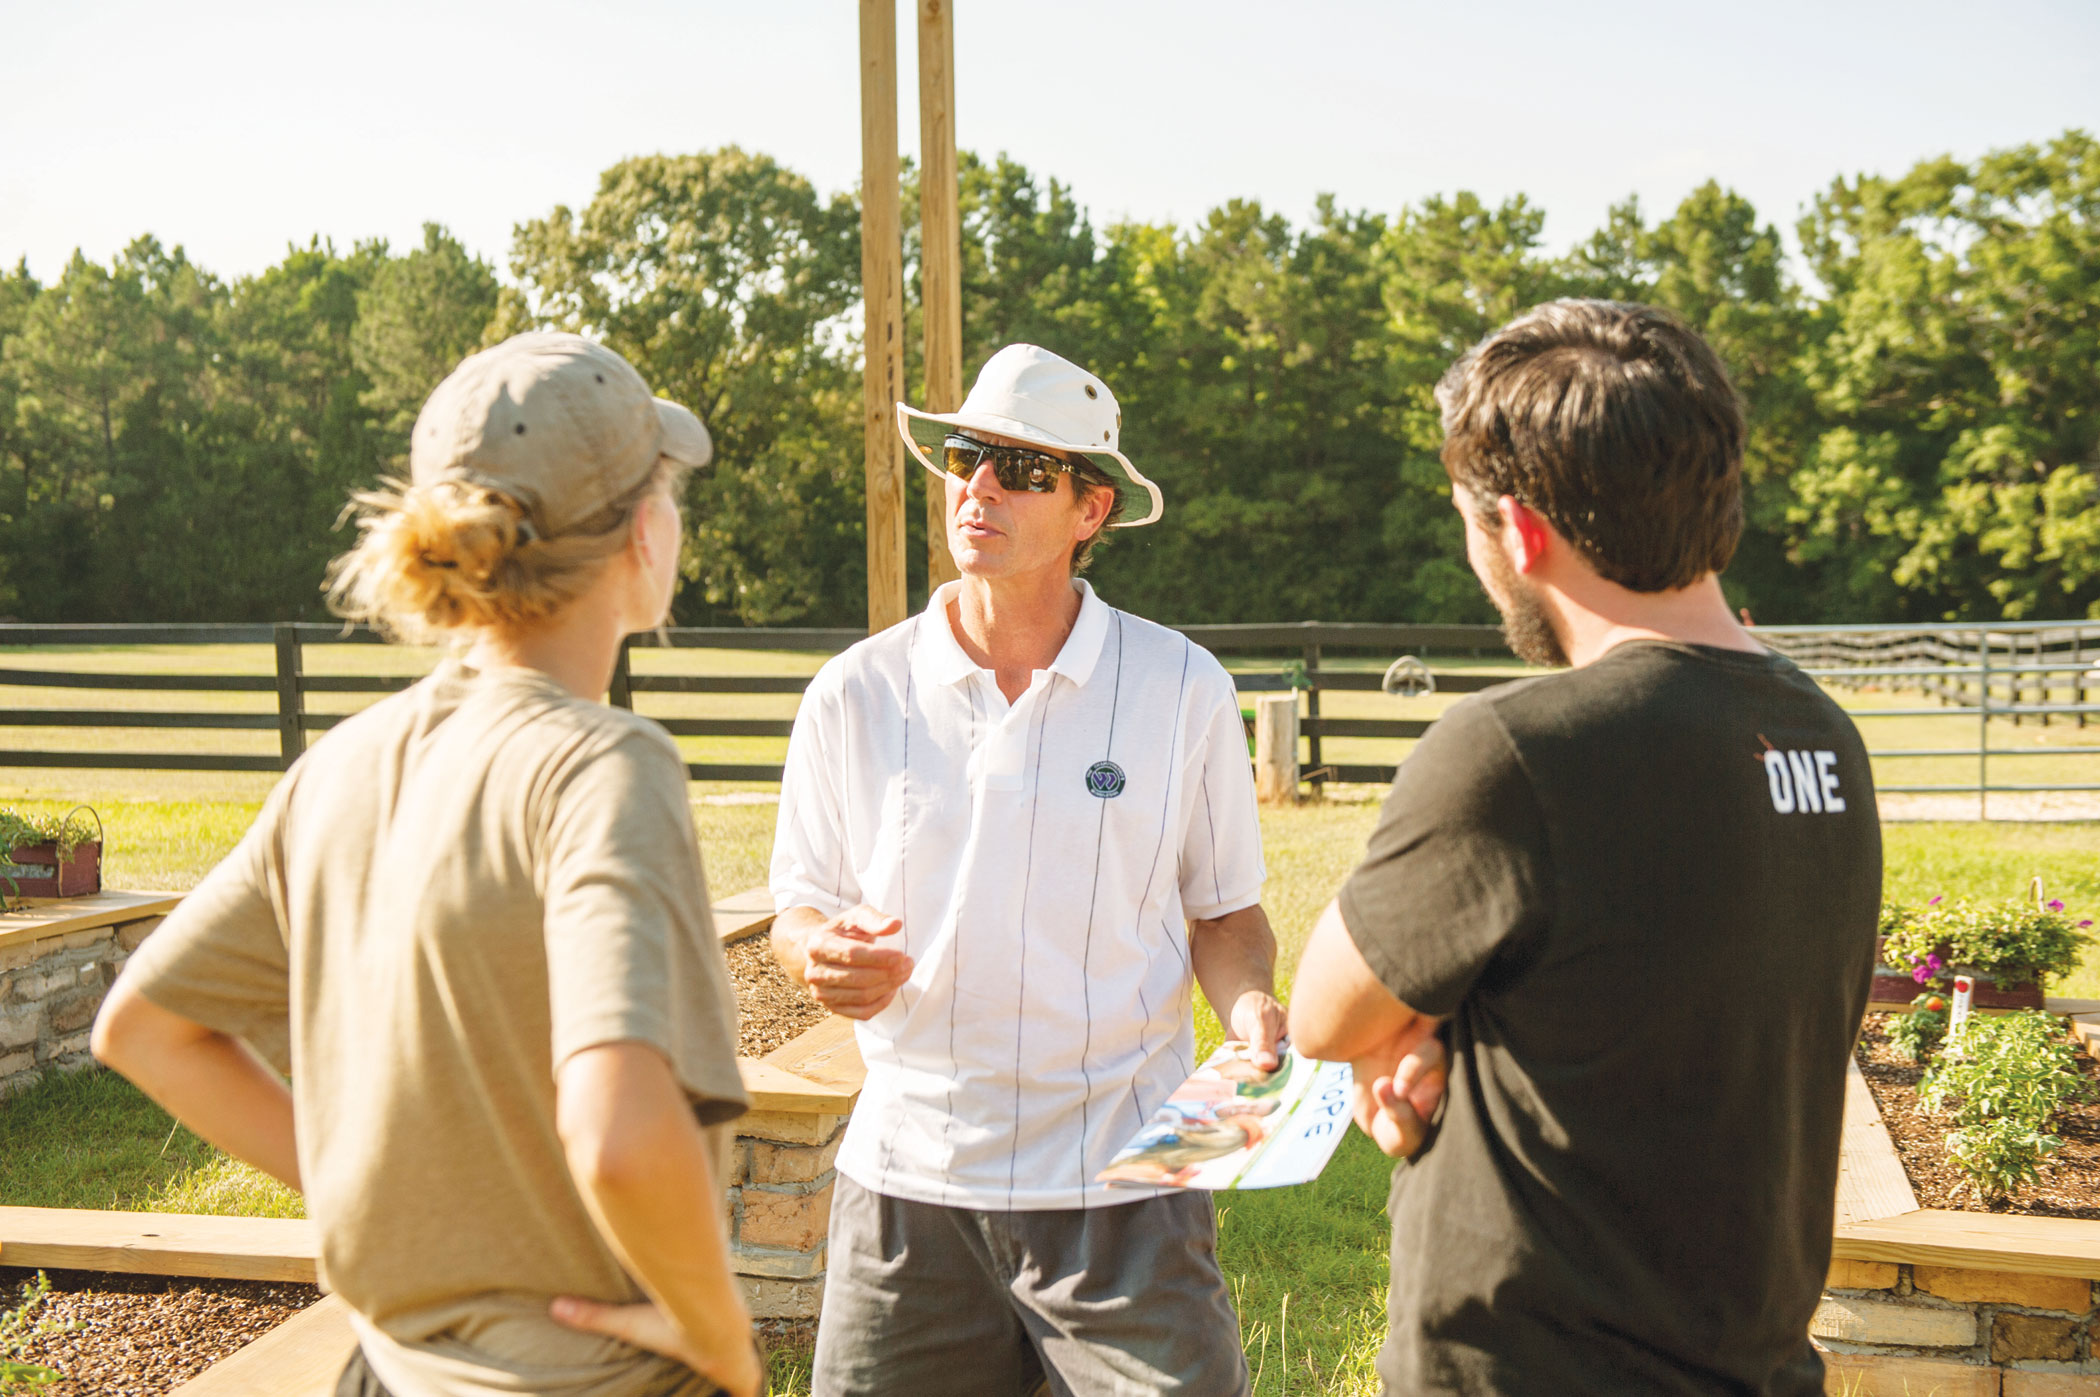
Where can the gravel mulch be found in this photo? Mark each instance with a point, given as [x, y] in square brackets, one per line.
[140, 1336]
[773, 1008]
[2070, 1186]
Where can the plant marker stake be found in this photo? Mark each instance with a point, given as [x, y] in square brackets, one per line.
[1958, 1016]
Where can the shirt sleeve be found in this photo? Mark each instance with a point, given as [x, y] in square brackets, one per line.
[221, 958]
[812, 860]
[631, 948]
[1456, 873]
[1221, 863]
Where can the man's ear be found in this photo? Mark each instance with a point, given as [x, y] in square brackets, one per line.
[1525, 533]
[1094, 509]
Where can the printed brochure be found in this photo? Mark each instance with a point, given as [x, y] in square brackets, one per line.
[1232, 1125]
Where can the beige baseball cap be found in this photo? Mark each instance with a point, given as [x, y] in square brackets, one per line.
[560, 423]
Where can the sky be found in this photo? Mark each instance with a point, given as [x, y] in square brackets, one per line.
[236, 129]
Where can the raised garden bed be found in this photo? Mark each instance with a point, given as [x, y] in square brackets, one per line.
[119, 1335]
[771, 1009]
[57, 960]
[1955, 1301]
[2070, 1186]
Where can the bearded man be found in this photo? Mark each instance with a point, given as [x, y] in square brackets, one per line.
[1643, 892]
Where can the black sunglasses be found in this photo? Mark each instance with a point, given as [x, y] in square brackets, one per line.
[1016, 467]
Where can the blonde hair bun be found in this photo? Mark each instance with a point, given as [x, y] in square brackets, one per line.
[451, 556]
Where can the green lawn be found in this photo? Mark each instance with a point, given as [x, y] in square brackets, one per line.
[1307, 1265]
[91, 1140]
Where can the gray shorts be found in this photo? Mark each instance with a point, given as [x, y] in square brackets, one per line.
[1125, 1301]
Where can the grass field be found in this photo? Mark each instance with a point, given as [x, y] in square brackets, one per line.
[1307, 1266]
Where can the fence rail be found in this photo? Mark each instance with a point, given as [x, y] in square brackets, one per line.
[1304, 643]
[2022, 672]
[2007, 670]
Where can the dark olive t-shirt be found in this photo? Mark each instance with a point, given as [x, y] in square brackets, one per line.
[1645, 891]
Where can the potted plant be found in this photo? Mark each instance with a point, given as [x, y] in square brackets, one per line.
[2006, 948]
[41, 856]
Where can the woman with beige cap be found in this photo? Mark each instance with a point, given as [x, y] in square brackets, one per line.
[472, 925]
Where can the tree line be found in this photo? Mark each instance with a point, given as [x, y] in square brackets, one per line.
[1922, 387]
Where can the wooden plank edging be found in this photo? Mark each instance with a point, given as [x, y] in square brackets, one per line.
[827, 1055]
[1871, 1179]
[743, 914]
[159, 1244]
[2039, 1246]
[746, 914]
[773, 1088]
[45, 918]
[301, 1357]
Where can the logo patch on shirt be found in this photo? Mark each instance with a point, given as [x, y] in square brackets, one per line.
[1104, 779]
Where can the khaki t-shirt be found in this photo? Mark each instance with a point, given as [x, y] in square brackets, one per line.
[445, 899]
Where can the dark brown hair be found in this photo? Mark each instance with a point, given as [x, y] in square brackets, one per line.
[1615, 422]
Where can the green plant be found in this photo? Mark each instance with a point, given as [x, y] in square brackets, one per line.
[1917, 1033]
[17, 1327]
[2003, 1080]
[2001, 1155]
[67, 832]
[2011, 941]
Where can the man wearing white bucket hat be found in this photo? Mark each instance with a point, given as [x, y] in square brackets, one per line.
[1014, 831]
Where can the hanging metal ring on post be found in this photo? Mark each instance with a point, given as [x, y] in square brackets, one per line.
[1408, 677]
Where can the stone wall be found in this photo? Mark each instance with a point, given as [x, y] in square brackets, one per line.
[50, 988]
[784, 1166]
[1889, 1328]
[781, 1178]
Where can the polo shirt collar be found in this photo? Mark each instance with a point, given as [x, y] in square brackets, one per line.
[1082, 648]
[948, 663]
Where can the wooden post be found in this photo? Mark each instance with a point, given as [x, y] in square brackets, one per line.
[1276, 748]
[882, 291]
[1312, 704]
[291, 697]
[940, 254]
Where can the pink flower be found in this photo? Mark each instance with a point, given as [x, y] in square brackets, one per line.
[2086, 923]
[2055, 905]
[1935, 901]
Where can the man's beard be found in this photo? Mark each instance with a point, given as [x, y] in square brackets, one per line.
[1525, 624]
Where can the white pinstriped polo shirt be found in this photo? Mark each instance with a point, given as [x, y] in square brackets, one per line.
[1044, 858]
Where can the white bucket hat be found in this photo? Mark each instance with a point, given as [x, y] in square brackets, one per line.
[1028, 393]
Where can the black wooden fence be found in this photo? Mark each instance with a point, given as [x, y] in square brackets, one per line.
[1300, 649]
